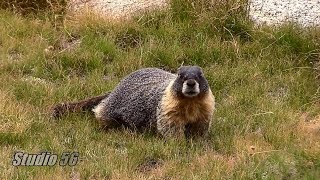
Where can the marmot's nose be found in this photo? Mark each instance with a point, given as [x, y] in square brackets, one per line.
[191, 83]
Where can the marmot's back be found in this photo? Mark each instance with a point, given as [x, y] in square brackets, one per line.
[134, 101]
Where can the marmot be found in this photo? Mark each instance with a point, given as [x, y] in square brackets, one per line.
[179, 104]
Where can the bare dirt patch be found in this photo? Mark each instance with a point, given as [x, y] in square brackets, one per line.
[310, 126]
[115, 9]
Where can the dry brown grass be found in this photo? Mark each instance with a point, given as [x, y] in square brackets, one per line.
[34, 6]
[15, 116]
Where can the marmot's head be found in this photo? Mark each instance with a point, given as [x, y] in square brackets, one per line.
[190, 82]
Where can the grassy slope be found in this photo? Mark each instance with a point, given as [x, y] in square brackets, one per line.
[263, 79]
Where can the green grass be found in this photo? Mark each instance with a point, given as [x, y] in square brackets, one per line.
[265, 80]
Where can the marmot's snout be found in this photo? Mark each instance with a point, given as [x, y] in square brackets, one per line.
[190, 82]
[190, 88]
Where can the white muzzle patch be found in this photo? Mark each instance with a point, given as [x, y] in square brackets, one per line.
[190, 90]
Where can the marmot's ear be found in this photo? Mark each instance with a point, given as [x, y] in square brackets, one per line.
[198, 68]
[180, 68]
[201, 70]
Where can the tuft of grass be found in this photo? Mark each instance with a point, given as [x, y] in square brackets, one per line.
[31, 6]
[129, 38]
[265, 81]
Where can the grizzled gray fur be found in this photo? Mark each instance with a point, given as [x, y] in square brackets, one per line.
[134, 101]
[177, 105]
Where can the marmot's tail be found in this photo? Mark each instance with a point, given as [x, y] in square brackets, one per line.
[84, 105]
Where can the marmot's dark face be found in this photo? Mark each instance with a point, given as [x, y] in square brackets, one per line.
[190, 82]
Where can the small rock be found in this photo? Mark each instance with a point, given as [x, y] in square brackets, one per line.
[276, 12]
[149, 164]
[49, 49]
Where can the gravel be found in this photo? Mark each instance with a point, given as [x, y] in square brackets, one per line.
[115, 9]
[275, 12]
